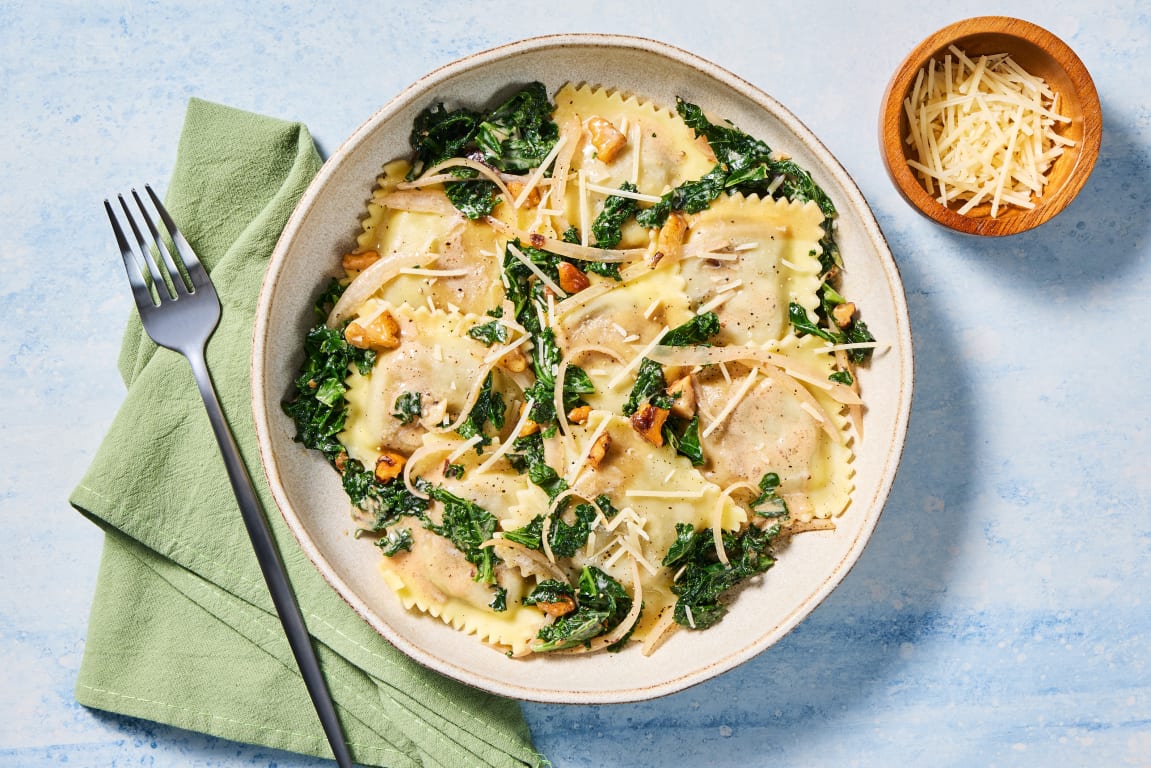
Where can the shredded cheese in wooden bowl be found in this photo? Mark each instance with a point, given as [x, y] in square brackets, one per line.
[983, 129]
[990, 126]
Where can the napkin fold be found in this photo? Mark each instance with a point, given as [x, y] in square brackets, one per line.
[182, 629]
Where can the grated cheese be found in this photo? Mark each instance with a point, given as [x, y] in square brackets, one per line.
[507, 444]
[652, 493]
[713, 302]
[421, 272]
[464, 447]
[744, 388]
[538, 173]
[982, 131]
[634, 363]
[623, 193]
[584, 209]
[519, 255]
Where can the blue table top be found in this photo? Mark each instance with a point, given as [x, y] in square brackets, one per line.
[1000, 615]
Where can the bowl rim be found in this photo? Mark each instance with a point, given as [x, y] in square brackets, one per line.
[902, 343]
[891, 112]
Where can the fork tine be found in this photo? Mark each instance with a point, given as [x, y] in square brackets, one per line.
[136, 279]
[145, 254]
[196, 271]
[165, 254]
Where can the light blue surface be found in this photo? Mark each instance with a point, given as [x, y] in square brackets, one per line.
[1001, 614]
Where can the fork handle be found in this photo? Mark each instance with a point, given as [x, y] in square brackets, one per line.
[271, 563]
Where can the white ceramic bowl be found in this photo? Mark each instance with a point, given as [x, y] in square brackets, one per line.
[308, 491]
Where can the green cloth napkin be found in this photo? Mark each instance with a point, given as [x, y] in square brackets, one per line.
[182, 629]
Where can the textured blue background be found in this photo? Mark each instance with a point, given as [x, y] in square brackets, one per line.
[1000, 615]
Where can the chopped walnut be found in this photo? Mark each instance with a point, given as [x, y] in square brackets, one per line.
[669, 241]
[843, 314]
[517, 188]
[606, 138]
[572, 280]
[381, 334]
[530, 426]
[598, 450]
[579, 414]
[562, 606]
[389, 466]
[684, 404]
[515, 361]
[648, 422]
[360, 260]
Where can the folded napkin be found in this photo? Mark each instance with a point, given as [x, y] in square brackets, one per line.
[182, 629]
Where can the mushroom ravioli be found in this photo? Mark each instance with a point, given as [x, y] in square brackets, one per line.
[586, 370]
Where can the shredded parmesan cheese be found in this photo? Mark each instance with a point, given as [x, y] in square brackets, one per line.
[623, 193]
[420, 272]
[744, 388]
[634, 363]
[537, 271]
[538, 173]
[652, 493]
[507, 444]
[983, 131]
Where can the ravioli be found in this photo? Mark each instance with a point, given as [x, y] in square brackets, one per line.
[751, 258]
[576, 447]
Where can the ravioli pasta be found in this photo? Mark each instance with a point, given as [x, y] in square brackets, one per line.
[591, 370]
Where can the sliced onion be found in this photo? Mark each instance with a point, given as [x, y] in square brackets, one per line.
[370, 280]
[572, 130]
[562, 248]
[418, 201]
[711, 355]
[457, 162]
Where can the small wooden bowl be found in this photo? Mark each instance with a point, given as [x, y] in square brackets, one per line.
[1043, 55]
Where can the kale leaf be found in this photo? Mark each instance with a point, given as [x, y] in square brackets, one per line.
[649, 387]
[516, 136]
[689, 197]
[489, 407]
[856, 333]
[530, 535]
[387, 501]
[395, 541]
[683, 437]
[467, 526]
[318, 407]
[529, 457]
[769, 494]
[550, 591]
[408, 407]
[694, 332]
[439, 135]
[489, 333]
[473, 199]
[704, 580]
[607, 229]
[566, 539]
[602, 603]
[519, 134]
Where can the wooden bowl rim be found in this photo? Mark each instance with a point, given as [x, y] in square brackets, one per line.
[1086, 152]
